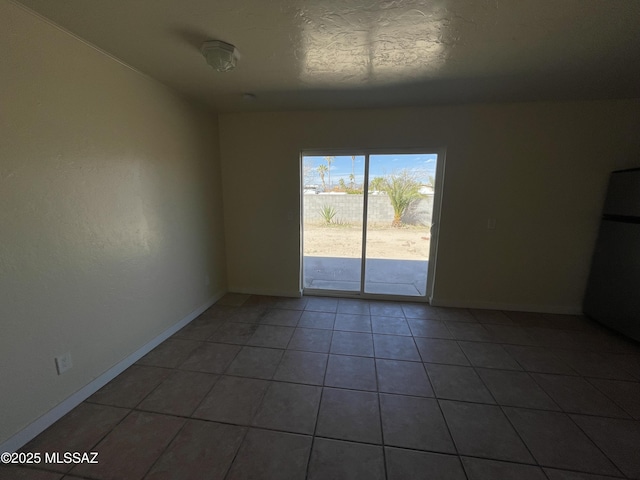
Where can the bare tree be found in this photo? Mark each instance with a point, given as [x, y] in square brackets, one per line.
[308, 172]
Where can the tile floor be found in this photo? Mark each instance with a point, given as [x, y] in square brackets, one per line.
[321, 388]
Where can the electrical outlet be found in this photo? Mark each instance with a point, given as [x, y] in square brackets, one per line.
[63, 363]
[491, 224]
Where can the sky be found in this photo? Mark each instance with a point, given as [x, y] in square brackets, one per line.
[379, 165]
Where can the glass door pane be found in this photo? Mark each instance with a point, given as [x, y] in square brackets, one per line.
[332, 205]
[399, 210]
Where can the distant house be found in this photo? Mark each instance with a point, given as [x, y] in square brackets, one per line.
[311, 189]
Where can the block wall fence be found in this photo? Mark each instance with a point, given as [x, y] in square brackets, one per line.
[349, 208]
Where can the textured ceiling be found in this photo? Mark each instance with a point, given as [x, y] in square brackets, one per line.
[311, 54]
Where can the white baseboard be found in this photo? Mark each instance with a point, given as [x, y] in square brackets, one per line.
[515, 307]
[45, 421]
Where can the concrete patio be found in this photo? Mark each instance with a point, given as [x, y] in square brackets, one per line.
[383, 276]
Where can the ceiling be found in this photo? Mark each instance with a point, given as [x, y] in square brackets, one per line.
[315, 54]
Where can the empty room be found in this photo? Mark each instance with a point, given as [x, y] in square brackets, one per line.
[320, 240]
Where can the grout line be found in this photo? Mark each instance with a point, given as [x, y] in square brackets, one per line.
[205, 395]
[588, 437]
[537, 345]
[604, 392]
[393, 393]
[164, 450]
[464, 467]
[508, 462]
[546, 475]
[444, 418]
[315, 426]
[93, 447]
[235, 455]
[504, 414]
[435, 396]
[384, 450]
[268, 307]
[589, 474]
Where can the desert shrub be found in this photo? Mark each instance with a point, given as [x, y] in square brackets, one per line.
[327, 212]
[403, 189]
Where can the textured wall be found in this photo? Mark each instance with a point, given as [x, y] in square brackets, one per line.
[539, 169]
[110, 213]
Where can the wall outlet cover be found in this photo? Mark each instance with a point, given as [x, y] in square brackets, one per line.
[63, 363]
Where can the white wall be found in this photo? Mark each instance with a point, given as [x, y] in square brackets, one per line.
[540, 169]
[110, 213]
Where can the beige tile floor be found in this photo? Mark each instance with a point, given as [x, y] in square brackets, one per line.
[321, 388]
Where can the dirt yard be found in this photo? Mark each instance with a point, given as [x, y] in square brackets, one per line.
[405, 243]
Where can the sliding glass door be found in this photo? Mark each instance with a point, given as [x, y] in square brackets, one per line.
[332, 222]
[399, 204]
[367, 222]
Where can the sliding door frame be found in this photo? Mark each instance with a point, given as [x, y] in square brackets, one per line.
[435, 220]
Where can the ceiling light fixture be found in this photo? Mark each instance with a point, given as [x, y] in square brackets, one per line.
[220, 55]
